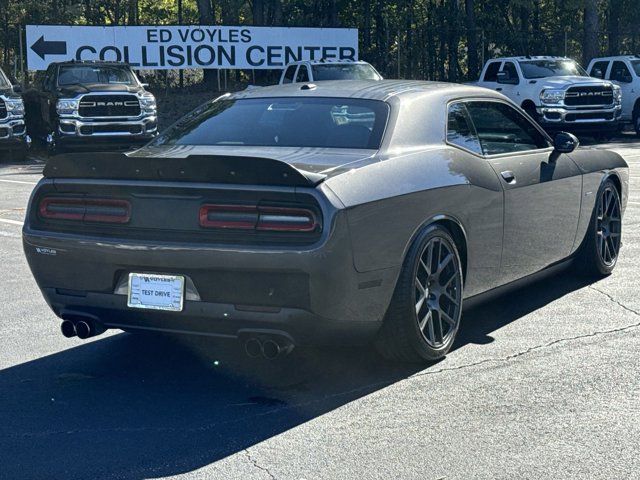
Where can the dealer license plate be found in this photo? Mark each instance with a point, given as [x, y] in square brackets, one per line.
[156, 292]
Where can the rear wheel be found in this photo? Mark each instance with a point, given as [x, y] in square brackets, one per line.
[604, 237]
[424, 315]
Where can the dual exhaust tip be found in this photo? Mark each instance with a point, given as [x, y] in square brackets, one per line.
[269, 348]
[82, 329]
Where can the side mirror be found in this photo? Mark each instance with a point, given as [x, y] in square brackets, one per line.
[505, 78]
[565, 142]
[144, 85]
[17, 88]
[597, 73]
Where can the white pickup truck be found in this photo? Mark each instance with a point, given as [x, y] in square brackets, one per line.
[557, 93]
[624, 71]
[315, 71]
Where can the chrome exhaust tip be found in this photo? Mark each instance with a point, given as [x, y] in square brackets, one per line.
[68, 329]
[271, 350]
[84, 329]
[253, 348]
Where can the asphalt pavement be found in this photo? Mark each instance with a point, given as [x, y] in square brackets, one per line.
[542, 383]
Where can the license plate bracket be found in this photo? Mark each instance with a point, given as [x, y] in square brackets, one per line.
[150, 291]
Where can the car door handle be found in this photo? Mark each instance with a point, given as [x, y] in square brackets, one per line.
[499, 89]
[508, 176]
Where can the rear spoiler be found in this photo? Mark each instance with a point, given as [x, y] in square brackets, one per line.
[194, 168]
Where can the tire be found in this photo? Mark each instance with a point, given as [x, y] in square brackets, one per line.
[603, 137]
[636, 122]
[19, 155]
[531, 111]
[602, 242]
[423, 317]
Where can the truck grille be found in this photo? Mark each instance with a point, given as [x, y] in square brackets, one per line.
[589, 96]
[109, 106]
[3, 109]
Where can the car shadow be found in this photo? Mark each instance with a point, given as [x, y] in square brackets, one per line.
[143, 406]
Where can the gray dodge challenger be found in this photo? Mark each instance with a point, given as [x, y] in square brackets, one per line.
[337, 213]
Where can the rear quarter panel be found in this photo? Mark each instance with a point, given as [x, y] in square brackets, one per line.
[389, 201]
[595, 165]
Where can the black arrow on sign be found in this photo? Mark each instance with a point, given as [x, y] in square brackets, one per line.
[42, 47]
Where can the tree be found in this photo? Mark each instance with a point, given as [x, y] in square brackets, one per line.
[591, 47]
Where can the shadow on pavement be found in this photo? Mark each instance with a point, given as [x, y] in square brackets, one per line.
[137, 406]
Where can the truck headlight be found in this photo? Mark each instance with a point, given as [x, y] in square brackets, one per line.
[15, 106]
[148, 103]
[551, 97]
[617, 94]
[67, 107]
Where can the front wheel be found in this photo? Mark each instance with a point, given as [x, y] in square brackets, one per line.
[604, 237]
[424, 315]
[636, 122]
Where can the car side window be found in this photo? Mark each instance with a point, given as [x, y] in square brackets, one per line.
[289, 74]
[620, 73]
[303, 74]
[510, 69]
[491, 75]
[460, 129]
[502, 129]
[599, 69]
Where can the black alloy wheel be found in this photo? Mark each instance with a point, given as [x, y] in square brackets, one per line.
[424, 315]
[603, 240]
[608, 225]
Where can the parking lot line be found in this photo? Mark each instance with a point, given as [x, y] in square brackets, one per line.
[11, 222]
[18, 181]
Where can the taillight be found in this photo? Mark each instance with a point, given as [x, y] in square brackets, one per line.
[85, 209]
[256, 217]
[284, 219]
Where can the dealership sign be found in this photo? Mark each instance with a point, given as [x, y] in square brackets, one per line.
[170, 47]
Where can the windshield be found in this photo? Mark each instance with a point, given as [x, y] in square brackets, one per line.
[355, 71]
[551, 68]
[4, 82]
[283, 122]
[110, 74]
[636, 66]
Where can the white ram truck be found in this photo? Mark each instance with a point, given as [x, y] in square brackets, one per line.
[624, 71]
[557, 93]
[319, 70]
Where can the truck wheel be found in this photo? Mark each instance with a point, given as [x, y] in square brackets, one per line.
[423, 317]
[602, 242]
[17, 155]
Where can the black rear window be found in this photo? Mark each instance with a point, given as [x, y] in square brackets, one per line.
[283, 122]
[356, 71]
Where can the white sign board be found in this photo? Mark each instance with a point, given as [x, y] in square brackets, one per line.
[171, 47]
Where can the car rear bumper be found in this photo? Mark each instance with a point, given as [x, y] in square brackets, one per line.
[314, 295]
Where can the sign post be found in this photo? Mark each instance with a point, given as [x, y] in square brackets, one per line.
[179, 47]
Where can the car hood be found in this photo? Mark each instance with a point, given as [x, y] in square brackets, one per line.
[324, 161]
[568, 81]
[82, 88]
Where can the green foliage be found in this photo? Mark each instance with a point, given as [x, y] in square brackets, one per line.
[431, 39]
